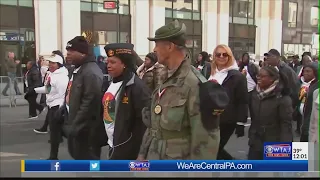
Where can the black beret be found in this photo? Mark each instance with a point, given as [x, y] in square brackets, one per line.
[213, 100]
[117, 49]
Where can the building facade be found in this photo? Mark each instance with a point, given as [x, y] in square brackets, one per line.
[17, 31]
[252, 26]
[300, 26]
[242, 27]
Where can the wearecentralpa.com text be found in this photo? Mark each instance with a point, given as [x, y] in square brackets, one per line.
[213, 166]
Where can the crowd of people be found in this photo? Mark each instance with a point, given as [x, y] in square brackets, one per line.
[168, 107]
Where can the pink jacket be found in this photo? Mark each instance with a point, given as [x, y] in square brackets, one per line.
[314, 119]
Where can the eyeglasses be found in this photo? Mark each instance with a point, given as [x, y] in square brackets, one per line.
[222, 55]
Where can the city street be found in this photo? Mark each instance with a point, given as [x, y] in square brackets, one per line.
[18, 141]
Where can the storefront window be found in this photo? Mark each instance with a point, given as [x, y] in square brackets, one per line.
[292, 16]
[189, 13]
[102, 26]
[9, 2]
[17, 31]
[85, 5]
[290, 49]
[186, 9]
[242, 31]
[241, 39]
[314, 16]
[242, 11]
[25, 3]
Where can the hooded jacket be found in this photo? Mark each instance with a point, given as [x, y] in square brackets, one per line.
[55, 86]
[154, 76]
[204, 65]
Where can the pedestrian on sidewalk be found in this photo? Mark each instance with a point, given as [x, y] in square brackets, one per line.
[54, 88]
[11, 68]
[31, 81]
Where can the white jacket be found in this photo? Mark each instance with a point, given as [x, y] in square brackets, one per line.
[55, 87]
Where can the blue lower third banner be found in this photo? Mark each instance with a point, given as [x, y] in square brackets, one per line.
[163, 165]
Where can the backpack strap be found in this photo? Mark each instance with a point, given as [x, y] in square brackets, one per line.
[198, 74]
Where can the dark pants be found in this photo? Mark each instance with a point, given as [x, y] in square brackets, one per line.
[46, 123]
[255, 154]
[55, 132]
[226, 131]
[304, 137]
[299, 122]
[80, 149]
[96, 152]
[43, 100]
[33, 105]
[249, 101]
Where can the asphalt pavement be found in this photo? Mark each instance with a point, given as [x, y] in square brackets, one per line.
[18, 141]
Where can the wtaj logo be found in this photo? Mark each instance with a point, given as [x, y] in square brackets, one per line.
[277, 150]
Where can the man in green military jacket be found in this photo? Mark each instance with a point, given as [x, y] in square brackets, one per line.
[176, 130]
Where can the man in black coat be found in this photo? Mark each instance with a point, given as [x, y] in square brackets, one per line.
[84, 126]
[273, 59]
[295, 63]
[32, 80]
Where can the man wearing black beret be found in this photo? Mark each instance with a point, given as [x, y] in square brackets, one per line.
[83, 126]
[177, 129]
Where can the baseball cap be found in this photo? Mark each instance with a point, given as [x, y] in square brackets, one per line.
[55, 58]
[273, 52]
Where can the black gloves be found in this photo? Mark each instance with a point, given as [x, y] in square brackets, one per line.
[239, 130]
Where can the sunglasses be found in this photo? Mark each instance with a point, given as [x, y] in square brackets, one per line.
[222, 55]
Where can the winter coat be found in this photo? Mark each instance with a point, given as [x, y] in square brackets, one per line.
[271, 119]
[129, 128]
[55, 87]
[314, 118]
[154, 76]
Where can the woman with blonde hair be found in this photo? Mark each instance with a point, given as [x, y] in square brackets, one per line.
[225, 71]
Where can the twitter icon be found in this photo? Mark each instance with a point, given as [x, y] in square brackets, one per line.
[94, 166]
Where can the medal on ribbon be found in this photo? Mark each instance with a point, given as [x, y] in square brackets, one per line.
[158, 108]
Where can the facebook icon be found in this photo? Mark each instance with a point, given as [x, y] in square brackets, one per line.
[55, 166]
